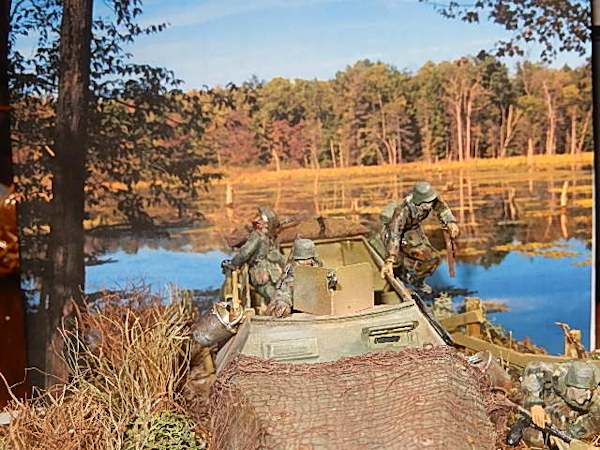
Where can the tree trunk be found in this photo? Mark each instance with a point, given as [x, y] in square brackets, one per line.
[530, 151]
[511, 124]
[314, 148]
[459, 129]
[573, 138]
[276, 159]
[332, 150]
[315, 157]
[551, 113]
[427, 149]
[504, 119]
[69, 173]
[427, 142]
[468, 124]
[381, 160]
[476, 148]
[586, 125]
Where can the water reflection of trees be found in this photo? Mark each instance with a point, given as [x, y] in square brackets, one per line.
[477, 197]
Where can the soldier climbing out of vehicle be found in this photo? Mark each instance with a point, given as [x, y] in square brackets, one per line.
[304, 253]
[562, 404]
[408, 251]
[261, 253]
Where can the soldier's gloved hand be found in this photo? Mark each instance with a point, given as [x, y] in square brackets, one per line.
[538, 415]
[388, 268]
[453, 230]
[278, 308]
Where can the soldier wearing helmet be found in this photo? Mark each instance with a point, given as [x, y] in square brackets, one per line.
[303, 253]
[406, 244]
[261, 253]
[565, 395]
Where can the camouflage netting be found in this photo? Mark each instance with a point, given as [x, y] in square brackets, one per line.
[330, 227]
[418, 398]
[309, 229]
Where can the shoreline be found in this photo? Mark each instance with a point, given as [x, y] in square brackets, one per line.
[261, 175]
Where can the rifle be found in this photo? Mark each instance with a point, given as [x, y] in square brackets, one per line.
[451, 252]
[516, 432]
[292, 221]
[286, 270]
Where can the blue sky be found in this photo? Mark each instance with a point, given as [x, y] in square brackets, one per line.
[213, 42]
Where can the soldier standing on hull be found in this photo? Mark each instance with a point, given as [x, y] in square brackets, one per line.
[261, 253]
[563, 395]
[406, 244]
[304, 253]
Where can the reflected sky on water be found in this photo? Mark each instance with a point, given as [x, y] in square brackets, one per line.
[157, 268]
[538, 290]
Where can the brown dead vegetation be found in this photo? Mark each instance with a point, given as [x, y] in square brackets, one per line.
[128, 357]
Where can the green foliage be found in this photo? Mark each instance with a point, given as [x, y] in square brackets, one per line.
[430, 111]
[141, 125]
[555, 25]
[146, 131]
[163, 431]
[372, 113]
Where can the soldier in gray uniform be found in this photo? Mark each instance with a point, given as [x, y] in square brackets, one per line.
[564, 395]
[261, 253]
[304, 253]
[406, 244]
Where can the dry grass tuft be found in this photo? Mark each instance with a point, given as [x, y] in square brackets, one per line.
[127, 357]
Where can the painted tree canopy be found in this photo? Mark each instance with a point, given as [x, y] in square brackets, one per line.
[372, 113]
[556, 25]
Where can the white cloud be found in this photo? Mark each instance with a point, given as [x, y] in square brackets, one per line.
[201, 12]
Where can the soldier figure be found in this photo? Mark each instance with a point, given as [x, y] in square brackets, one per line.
[303, 253]
[564, 395]
[261, 253]
[405, 242]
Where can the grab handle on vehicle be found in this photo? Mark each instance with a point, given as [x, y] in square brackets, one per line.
[394, 335]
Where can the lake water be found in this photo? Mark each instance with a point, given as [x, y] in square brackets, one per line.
[539, 291]
[536, 262]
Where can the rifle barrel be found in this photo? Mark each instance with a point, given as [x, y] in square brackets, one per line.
[548, 428]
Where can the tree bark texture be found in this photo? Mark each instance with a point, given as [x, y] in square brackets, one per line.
[69, 173]
[551, 113]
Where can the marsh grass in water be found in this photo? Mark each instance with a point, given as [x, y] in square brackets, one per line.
[544, 249]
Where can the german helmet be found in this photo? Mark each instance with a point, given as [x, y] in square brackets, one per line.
[423, 192]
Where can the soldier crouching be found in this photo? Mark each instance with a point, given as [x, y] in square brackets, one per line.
[563, 395]
[304, 253]
[407, 247]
